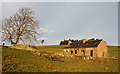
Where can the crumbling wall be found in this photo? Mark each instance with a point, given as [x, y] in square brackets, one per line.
[23, 47]
[102, 50]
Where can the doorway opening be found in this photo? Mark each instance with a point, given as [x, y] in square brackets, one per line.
[91, 53]
[83, 51]
[103, 54]
[75, 51]
[71, 52]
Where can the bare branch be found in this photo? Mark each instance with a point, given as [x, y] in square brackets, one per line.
[22, 26]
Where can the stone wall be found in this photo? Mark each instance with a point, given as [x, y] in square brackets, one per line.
[88, 52]
[102, 50]
[23, 47]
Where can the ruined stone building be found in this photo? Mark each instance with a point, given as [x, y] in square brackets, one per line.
[94, 48]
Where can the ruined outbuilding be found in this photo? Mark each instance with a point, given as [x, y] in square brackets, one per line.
[94, 48]
[23, 47]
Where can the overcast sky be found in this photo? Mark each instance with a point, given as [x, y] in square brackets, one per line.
[74, 20]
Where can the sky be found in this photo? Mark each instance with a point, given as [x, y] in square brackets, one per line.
[71, 20]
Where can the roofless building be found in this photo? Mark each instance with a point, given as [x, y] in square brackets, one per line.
[93, 48]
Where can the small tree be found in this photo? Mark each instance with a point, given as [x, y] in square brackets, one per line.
[91, 39]
[3, 44]
[42, 41]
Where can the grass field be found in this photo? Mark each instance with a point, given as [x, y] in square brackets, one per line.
[52, 48]
[14, 60]
[113, 51]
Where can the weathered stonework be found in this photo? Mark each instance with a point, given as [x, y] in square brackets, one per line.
[23, 47]
[99, 51]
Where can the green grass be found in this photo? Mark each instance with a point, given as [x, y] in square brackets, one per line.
[52, 48]
[113, 51]
[25, 61]
[19, 60]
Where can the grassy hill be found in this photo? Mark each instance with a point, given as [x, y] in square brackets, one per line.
[14, 60]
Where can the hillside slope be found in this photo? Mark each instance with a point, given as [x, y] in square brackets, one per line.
[14, 60]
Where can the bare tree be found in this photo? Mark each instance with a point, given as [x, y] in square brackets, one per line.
[21, 27]
[42, 41]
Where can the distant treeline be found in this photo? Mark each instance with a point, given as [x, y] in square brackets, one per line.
[65, 42]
